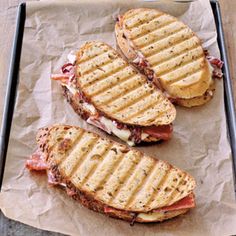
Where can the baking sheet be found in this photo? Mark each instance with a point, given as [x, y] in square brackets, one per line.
[199, 144]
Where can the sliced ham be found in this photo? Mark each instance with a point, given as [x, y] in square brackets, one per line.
[161, 132]
[217, 65]
[215, 61]
[36, 162]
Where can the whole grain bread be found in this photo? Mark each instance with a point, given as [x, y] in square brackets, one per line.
[111, 173]
[116, 89]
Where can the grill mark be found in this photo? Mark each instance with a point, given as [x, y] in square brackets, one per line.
[131, 178]
[93, 170]
[144, 21]
[127, 94]
[175, 54]
[100, 65]
[77, 140]
[125, 178]
[175, 192]
[179, 41]
[104, 76]
[185, 76]
[173, 196]
[83, 157]
[113, 167]
[107, 87]
[160, 184]
[96, 55]
[148, 188]
[150, 31]
[134, 195]
[172, 69]
[99, 60]
[139, 111]
[163, 37]
[132, 102]
[116, 176]
[120, 94]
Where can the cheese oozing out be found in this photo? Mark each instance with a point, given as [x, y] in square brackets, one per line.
[104, 123]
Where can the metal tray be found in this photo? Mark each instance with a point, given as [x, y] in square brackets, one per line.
[14, 72]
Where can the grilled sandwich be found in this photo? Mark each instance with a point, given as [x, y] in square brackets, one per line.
[170, 54]
[111, 178]
[111, 94]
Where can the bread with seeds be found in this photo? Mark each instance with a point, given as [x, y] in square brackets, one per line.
[111, 178]
[112, 95]
[169, 53]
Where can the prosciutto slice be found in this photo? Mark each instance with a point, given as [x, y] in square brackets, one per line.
[185, 203]
[36, 162]
[161, 132]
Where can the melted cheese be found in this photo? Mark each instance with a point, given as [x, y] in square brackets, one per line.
[110, 127]
[151, 216]
[123, 134]
[71, 57]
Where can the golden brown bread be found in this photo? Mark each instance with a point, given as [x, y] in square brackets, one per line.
[112, 173]
[116, 89]
[172, 50]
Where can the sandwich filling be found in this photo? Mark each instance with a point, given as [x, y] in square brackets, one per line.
[129, 133]
[37, 162]
[139, 60]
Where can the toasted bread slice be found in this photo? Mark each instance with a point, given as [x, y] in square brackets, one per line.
[172, 50]
[117, 90]
[85, 113]
[111, 173]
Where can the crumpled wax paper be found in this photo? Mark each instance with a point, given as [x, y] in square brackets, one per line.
[199, 144]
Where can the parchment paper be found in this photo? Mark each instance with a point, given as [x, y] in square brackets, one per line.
[199, 144]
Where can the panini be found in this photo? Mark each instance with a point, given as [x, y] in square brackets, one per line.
[169, 53]
[112, 95]
[111, 178]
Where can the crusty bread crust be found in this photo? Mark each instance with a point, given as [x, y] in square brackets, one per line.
[183, 89]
